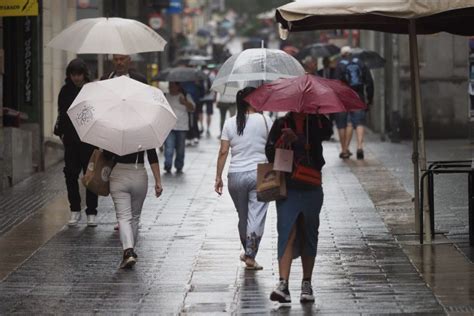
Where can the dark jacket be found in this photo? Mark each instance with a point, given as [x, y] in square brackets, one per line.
[133, 74]
[330, 75]
[320, 128]
[64, 127]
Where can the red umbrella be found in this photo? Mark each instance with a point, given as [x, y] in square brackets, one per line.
[305, 94]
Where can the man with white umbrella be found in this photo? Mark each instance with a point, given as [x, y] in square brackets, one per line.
[121, 65]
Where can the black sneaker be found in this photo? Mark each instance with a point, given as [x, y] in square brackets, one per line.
[129, 259]
[281, 294]
[168, 170]
[360, 154]
[306, 292]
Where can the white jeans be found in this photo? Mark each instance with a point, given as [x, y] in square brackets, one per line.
[128, 188]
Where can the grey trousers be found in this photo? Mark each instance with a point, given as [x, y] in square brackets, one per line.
[252, 213]
[128, 188]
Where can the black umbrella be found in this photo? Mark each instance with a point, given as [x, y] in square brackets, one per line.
[193, 60]
[370, 58]
[318, 50]
[180, 74]
[189, 50]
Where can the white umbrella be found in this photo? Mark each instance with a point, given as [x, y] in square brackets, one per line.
[254, 66]
[122, 115]
[108, 36]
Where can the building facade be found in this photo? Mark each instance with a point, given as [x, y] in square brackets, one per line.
[444, 73]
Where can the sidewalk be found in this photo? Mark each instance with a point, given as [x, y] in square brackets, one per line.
[368, 259]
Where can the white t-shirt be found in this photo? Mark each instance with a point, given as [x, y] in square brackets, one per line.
[248, 149]
[182, 122]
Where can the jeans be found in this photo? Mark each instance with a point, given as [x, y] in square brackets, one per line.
[76, 159]
[176, 140]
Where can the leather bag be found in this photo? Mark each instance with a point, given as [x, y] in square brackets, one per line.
[97, 174]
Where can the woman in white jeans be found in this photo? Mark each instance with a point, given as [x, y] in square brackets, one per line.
[245, 135]
[128, 188]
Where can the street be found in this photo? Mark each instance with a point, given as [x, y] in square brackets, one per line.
[188, 252]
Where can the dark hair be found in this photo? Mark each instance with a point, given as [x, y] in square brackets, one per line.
[242, 107]
[77, 66]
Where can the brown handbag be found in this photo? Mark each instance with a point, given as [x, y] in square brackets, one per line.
[271, 184]
[97, 174]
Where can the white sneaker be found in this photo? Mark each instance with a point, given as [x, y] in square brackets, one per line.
[75, 218]
[91, 221]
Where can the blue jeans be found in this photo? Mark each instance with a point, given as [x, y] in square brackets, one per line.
[175, 141]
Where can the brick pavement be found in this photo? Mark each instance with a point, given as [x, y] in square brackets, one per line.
[188, 258]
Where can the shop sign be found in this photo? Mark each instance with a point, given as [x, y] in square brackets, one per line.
[18, 7]
[176, 7]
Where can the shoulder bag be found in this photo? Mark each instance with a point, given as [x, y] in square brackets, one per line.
[271, 184]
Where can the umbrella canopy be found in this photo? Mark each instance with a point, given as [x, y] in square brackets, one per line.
[193, 60]
[318, 50]
[189, 50]
[181, 74]
[253, 66]
[431, 16]
[306, 94]
[122, 115]
[108, 36]
[370, 58]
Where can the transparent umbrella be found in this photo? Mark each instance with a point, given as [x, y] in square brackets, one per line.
[254, 66]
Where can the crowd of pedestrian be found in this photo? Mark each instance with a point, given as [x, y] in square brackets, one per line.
[249, 136]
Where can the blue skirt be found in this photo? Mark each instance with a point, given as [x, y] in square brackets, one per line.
[304, 203]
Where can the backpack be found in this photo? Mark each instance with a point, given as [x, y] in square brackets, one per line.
[353, 72]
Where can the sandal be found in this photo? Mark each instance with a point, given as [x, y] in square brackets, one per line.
[254, 266]
[242, 257]
[344, 155]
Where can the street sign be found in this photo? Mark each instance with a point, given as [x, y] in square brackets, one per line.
[155, 21]
[19, 8]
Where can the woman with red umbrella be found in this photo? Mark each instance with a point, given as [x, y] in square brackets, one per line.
[306, 98]
[298, 214]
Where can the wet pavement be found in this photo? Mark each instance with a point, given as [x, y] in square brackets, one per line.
[368, 263]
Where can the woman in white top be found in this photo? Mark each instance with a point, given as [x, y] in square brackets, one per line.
[246, 135]
[176, 140]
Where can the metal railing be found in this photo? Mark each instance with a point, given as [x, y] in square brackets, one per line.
[447, 167]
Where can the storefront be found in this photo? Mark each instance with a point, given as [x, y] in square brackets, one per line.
[21, 90]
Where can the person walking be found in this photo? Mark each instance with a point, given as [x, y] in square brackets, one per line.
[128, 188]
[182, 104]
[245, 135]
[353, 72]
[76, 153]
[225, 103]
[298, 214]
[122, 67]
